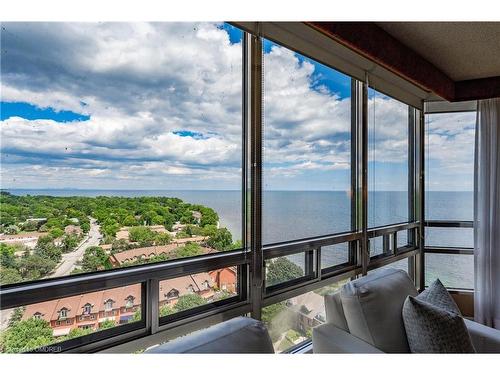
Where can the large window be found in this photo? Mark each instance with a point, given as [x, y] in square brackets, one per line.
[307, 147]
[130, 156]
[388, 148]
[449, 197]
[121, 145]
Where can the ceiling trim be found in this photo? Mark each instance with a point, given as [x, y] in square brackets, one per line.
[374, 43]
[477, 89]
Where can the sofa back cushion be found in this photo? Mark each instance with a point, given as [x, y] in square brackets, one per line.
[238, 335]
[335, 312]
[372, 307]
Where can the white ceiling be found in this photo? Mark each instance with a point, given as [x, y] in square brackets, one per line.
[462, 50]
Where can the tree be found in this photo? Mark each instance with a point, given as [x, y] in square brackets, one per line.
[69, 243]
[7, 257]
[33, 267]
[107, 324]
[236, 245]
[30, 226]
[163, 239]
[10, 276]
[12, 229]
[166, 310]
[221, 240]
[189, 301]
[119, 245]
[16, 316]
[56, 232]
[188, 250]
[137, 316]
[208, 216]
[209, 230]
[77, 332]
[143, 235]
[282, 269]
[27, 335]
[129, 221]
[46, 248]
[95, 259]
[85, 227]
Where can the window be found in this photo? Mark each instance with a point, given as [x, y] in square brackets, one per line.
[388, 148]
[129, 302]
[22, 335]
[63, 313]
[449, 197]
[456, 271]
[144, 153]
[282, 269]
[450, 166]
[307, 147]
[108, 305]
[290, 322]
[173, 294]
[87, 308]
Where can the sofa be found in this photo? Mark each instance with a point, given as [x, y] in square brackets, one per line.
[235, 336]
[365, 316]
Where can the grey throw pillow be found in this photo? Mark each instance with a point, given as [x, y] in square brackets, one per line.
[437, 295]
[431, 329]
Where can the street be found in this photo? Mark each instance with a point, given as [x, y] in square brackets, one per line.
[69, 260]
[66, 265]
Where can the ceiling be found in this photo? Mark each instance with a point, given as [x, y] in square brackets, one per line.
[461, 50]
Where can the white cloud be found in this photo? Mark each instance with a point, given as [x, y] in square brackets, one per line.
[141, 83]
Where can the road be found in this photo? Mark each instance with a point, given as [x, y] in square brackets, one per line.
[67, 264]
[69, 260]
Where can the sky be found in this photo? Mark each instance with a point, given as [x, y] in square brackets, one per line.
[159, 106]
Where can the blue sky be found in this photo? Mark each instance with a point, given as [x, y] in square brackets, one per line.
[158, 106]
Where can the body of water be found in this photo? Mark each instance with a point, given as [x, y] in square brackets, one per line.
[291, 215]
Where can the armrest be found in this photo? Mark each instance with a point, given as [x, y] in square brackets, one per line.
[237, 335]
[485, 339]
[327, 338]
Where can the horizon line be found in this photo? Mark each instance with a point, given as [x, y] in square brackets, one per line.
[114, 189]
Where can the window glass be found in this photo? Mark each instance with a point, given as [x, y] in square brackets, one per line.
[449, 185]
[121, 145]
[286, 268]
[191, 291]
[449, 166]
[290, 322]
[307, 147]
[454, 270]
[388, 131]
[334, 255]
[31, 327]
[449, 237]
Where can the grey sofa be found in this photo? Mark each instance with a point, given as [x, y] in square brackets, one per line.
[365, 317]
[238, 335]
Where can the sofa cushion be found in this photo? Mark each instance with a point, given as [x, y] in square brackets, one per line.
[437, 295]
[372, 308]
[431, 329]
[335, 312]
[238, 335]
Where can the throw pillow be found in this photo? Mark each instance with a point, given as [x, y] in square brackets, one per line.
[431, 329]
[437, 295]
